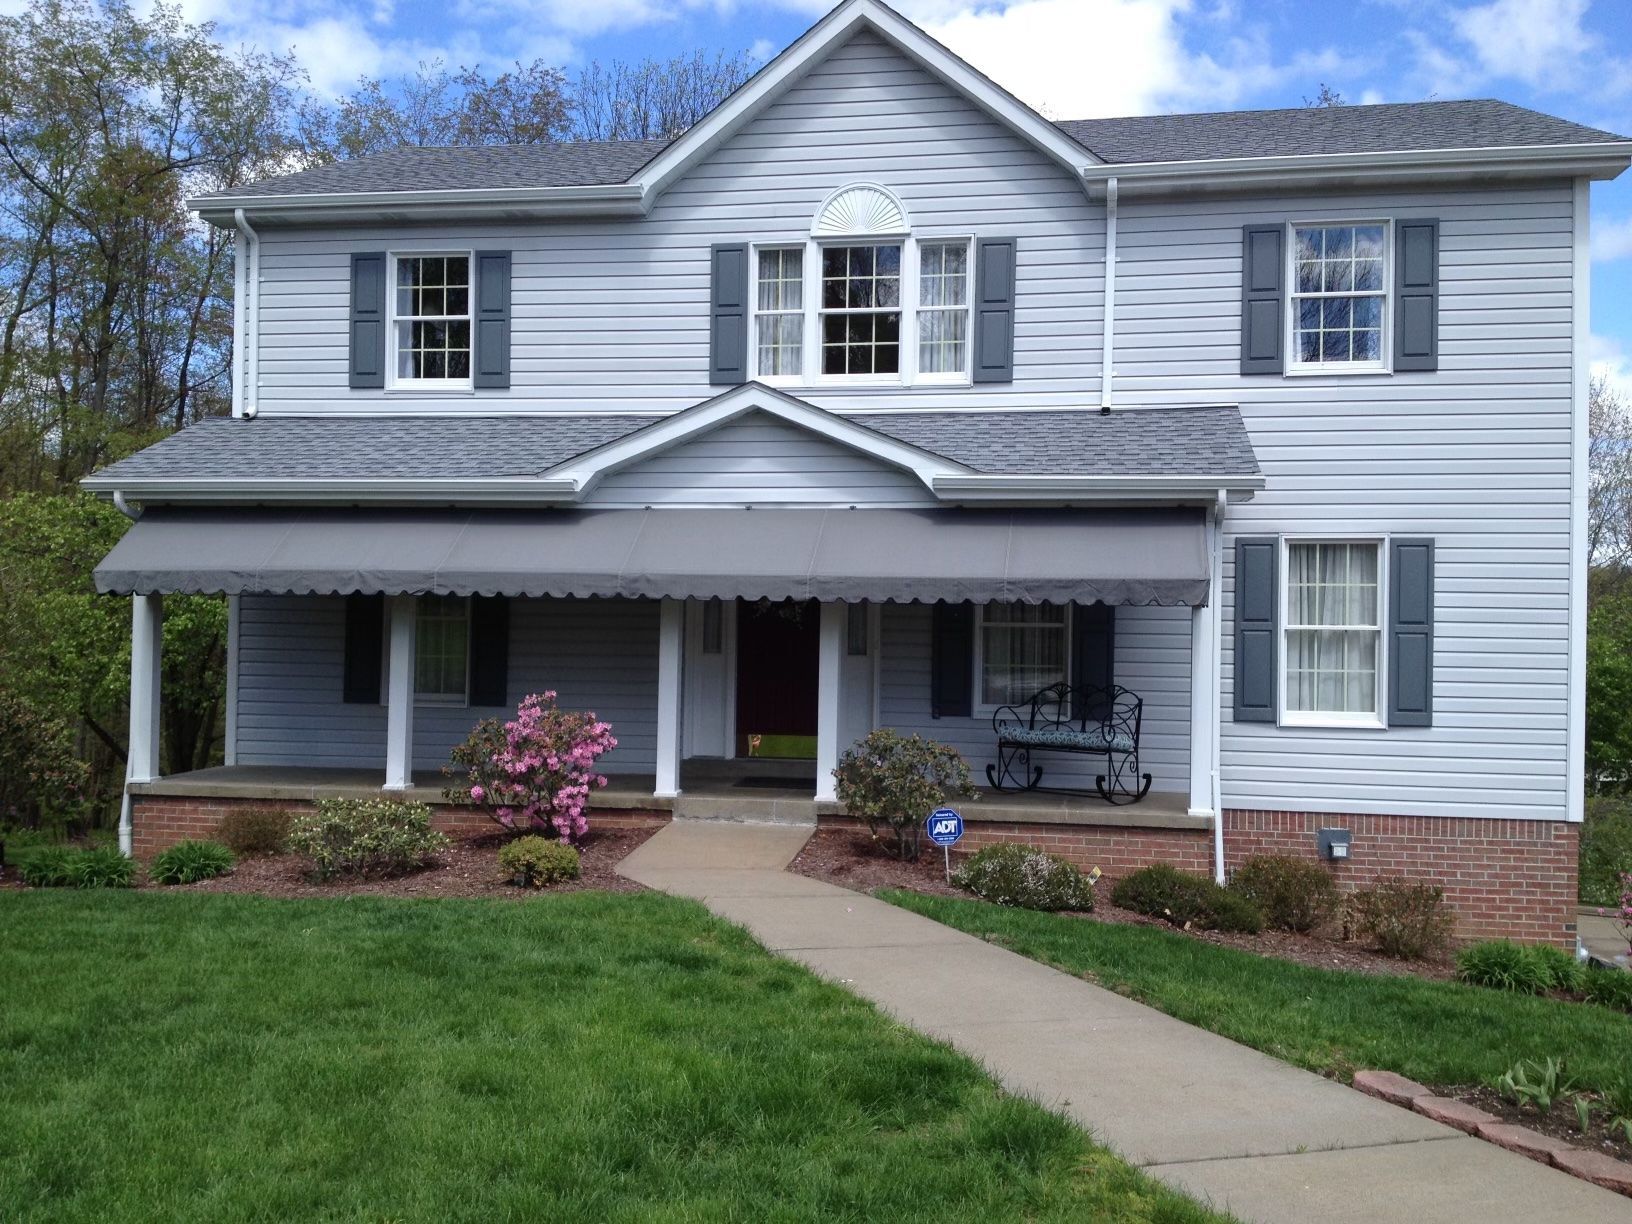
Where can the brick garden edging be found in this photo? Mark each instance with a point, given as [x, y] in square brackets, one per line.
[1590, 1166]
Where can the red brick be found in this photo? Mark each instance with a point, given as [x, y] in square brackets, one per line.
[1524, 1141]
[1395, 1089]
[1597, 1168]
[1453, 1113]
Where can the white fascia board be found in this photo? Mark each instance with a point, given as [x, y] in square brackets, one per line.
[973, 488]
[586, 470]
[615, 199]
[1599, 161]
[499, 490]
[721, 123]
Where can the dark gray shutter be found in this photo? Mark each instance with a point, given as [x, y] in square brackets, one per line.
[1263, 298]
[1256, 605]
[728, 327]
[952, 661]
[365, 646]
[368, 320]
[1411, 633]
[1416, 295]
[1093, 653]
[489, 650]
[994, 310]
[490, 348]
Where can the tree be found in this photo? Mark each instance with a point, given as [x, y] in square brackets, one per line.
[1326, 97]
[1609, 481]
[653, 99]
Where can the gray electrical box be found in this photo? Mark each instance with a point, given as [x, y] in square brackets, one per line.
[1334, 844]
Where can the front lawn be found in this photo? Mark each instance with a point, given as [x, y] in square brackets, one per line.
[1324, 1019]
[594, 1057]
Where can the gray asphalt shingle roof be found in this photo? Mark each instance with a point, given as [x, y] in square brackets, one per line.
[1478, 124]
[1202, 442]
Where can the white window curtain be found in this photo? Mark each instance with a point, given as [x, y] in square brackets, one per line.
[1023, 651]
[1333, 631]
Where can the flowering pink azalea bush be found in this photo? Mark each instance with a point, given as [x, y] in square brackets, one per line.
[1622, 911]
[534, 772]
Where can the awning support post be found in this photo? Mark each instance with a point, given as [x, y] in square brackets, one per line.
[402, 617]
[146, 655]
[1203, 710]
[830, 661]
[671, 641]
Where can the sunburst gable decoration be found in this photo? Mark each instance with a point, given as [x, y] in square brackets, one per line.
[864, 208]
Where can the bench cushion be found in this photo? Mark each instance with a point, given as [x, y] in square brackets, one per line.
[1068, 739]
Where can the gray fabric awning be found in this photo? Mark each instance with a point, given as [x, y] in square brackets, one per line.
[1156, 556]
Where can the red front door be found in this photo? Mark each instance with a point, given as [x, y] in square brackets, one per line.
[776, 679]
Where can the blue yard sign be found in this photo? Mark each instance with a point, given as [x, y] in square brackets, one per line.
[945, 827]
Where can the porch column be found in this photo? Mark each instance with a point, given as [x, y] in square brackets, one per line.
[1203, 707]
[671, 642]
[830, 663]
[401, 615]
[146, 652]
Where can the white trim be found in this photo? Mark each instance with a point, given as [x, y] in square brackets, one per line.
[1377, 720]
[671, 654]
[829, 672]
[903, 228]
[1215, 597]
[1107, 352]
[979, 487]
[396, 383]
[240, 328]
[235, 614]
[1581, 375]
[402, 618]
[1203, 708]
[979, 707]
[146, 659]
[1306, 369]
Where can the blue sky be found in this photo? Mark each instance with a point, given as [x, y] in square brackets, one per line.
[1070, 58]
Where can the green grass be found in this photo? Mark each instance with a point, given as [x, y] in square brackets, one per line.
[1323, 1019]
[589, 1056]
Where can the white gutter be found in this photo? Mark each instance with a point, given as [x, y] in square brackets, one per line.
[1107, 372]
[124, 507]
[1215, 594]
[982, 487]
[617, 199]
[498, 489]
[247, 404]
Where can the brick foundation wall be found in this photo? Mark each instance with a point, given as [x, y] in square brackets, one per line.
[158, 821]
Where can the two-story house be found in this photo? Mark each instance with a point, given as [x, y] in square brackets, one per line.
[878, 399]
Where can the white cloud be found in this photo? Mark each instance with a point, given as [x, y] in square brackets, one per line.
[1609, 362]
[1611, 239]
[1539, 42]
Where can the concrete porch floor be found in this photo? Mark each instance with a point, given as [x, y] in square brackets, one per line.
[709, 790]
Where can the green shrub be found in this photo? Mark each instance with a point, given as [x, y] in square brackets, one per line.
[1294, 894]
[1186, 900]
[47, 866]
[1503, 965]
[1611, 987]
[1606, 850]
[103, 867]
[892, 782]
[1404, 918]
[1563, 970]
[187, 862]
[255, 830]
[537, 862]
[365, 837]
[1026, 877]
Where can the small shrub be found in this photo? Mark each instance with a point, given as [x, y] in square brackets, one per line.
[1537, 1084]
[187, 862]
[103, 867]
[1563, 971]
[365, 837]
[537, 862]
[255, 830]
[1606, 849]
[1404, 918]
[1294, 894]
[892, 783]
[1502, 964]
[47, 866]
[1026, 877]
[1186, 900]
[1611, 987]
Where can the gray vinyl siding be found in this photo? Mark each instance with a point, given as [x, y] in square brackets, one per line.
[1152, 659]
[597, 654]
[614, 314]
[1476, 455]
[760, 460]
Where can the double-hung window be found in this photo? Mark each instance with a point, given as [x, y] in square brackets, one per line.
[1332, 632]
[1022, 650]
[943, 308]
[442, 650]
[780, 311]
[1339, 296]
[431, 321]
[861, 310]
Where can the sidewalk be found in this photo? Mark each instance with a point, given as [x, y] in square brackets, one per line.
[1227, 1124]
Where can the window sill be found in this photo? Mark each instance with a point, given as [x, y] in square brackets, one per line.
[1332, 372]
[863, 384]
[451, 389]
[1329, 723]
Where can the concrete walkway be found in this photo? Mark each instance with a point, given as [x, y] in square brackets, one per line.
[1229, 1125]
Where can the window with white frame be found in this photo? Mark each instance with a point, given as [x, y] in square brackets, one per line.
[1333, 639]
[780, 311]
[1023, 648]
[861, 309]
[1339, 296]
[442, 650]
[943, 307]
[430, 326]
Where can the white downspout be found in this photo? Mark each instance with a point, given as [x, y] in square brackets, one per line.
[1107, 374]
[1215, 592]
[247, 322]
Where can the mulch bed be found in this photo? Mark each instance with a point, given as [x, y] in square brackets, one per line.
[851, 859]
[1559, 1124]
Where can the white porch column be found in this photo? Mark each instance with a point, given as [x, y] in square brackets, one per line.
[401, 617]
[146, 653]
[829, 668]
[671, 648]
[1203, 707]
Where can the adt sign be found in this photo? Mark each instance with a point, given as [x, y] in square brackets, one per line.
[945, 827]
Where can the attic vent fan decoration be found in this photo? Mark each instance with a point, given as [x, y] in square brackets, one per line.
[860, 209]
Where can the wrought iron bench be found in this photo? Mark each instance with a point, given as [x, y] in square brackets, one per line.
[1089, 720]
